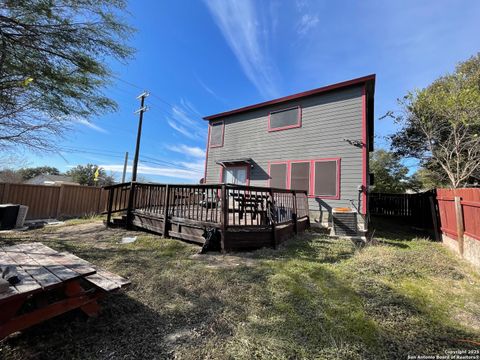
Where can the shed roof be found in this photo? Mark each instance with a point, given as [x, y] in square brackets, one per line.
[365, 79]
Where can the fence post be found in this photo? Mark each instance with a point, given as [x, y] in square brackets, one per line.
[460, 228]
[6, 192]
[110, 205]
[273, 216]
[224, 216]
[60, 201]
[130, 206]
[434, 218]
[165, 212]
[294, 215]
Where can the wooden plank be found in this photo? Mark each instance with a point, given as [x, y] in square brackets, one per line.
[189, 237]
[45, 256]
[102, 282]
[41, 275]
[82, 265]
[77, 264]
[113, 277]
[27, 283]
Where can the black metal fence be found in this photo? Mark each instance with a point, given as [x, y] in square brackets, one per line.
[415, 209]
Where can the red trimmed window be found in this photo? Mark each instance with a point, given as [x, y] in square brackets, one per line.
[300, 176]
[278, 173]
[285, 119]
[326, 178]
[319, 177]
[217, 131]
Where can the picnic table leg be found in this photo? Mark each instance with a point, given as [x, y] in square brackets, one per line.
[74, 289]
[73, 300]
[10, 309]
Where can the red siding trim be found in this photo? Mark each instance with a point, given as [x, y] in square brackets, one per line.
[364, 151]
[297, 125]
[206, 155]
[295, 96]
[223, 133]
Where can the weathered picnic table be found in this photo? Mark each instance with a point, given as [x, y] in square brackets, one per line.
[51, 283]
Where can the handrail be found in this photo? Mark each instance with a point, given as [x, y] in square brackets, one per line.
[214, 203]
[209, 186]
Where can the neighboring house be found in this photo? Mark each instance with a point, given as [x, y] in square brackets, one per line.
[316, 141]
[45, 179]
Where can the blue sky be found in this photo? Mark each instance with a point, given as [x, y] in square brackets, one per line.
[202, 57]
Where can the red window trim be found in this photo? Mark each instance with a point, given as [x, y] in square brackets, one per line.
[210, 133]
[297, 125]
[311, 182]
[235, 166]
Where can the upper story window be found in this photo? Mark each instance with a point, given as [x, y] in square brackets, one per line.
[285, 119]
[217, 130]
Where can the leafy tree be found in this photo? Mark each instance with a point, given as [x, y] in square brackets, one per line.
[390, 175]
[85, 175]
[426, 179]
[52, 65]
[441, 124]
[30, 173]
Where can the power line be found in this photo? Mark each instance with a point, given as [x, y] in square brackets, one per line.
[143, 159]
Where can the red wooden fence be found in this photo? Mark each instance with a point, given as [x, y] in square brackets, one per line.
[470, 208]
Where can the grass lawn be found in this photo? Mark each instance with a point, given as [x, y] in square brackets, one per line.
[315, 298]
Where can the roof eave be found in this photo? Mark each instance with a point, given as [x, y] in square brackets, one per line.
[357, 81]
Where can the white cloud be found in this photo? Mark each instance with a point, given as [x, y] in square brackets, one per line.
[181, 129]
[188, 150]
[209, 90]
[307, 22]
[159, 171]
[248, 39]
[91, 125]
[181, 120]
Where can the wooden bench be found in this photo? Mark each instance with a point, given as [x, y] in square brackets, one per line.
[75, 282]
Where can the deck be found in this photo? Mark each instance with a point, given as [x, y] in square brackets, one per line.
[246, 217]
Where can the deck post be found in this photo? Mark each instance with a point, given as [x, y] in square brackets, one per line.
[294, 214]
[165, 212]
[131, 196]
[110, 205]
[273, 214]
[224, 216]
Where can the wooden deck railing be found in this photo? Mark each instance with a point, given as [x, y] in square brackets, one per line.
[223, 206]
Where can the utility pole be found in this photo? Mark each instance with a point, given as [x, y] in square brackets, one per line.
[125, 167]
[142, 109]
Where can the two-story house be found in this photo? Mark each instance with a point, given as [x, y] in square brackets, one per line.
[317, 140]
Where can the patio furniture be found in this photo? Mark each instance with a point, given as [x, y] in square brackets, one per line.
[51, 283]
[251, 203]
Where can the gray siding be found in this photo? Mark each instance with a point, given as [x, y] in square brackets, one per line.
[327, 119]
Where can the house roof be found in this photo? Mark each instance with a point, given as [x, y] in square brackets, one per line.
[365, 79]
[40, 179]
